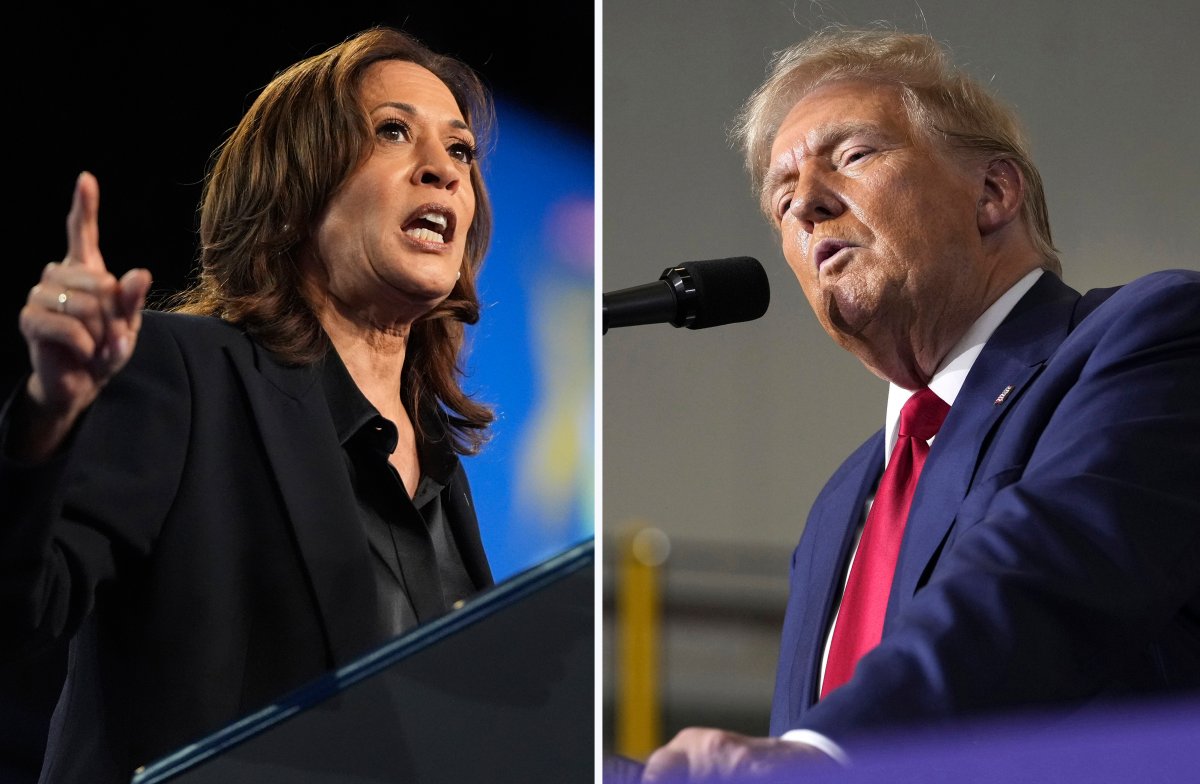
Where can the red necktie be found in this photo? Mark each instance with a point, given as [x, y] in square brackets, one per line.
[864, 603]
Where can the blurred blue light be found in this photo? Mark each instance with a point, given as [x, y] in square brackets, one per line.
[531, 355]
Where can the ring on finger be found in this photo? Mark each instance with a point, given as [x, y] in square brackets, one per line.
[63, 297]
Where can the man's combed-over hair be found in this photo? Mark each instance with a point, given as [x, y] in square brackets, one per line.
[956, 111]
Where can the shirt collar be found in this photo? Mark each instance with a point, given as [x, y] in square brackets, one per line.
[348, 406]
[948, 379]
[352, 412]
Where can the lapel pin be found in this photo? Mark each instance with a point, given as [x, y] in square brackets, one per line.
[1003, 395]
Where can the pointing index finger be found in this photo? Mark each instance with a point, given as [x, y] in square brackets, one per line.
[83, 227]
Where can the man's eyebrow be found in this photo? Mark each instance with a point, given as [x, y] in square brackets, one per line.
[779, 173]
[838, 132]
[819, 140]
[408, 108]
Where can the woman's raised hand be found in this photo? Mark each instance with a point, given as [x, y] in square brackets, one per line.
[80, 324]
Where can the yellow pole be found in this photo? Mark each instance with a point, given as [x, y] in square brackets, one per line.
[638, 603]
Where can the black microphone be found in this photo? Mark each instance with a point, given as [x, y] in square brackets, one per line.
[696, 294]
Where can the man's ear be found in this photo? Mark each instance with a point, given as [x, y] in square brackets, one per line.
[1003, 193]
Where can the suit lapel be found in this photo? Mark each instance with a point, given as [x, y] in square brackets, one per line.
[464, 528]
[303, 449]
[460, 509]
[818, 571]
[1008, 364]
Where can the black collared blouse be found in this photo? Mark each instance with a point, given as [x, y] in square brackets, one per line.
[416, 563]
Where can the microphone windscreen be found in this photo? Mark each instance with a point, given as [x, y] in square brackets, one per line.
[729, 291]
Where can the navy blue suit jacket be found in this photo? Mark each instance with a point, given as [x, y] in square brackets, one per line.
[1052, 553]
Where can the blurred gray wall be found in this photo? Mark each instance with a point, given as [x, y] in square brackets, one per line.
[722, 438]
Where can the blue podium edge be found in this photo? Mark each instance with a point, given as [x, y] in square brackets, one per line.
[474, 610]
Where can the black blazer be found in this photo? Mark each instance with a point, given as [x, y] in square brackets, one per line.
[198, 538]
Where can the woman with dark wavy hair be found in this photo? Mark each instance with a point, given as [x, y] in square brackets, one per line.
[219, 502]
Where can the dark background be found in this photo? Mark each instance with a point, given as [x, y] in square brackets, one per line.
[141, 96]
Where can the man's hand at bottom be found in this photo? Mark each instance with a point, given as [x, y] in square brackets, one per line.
[699, 754]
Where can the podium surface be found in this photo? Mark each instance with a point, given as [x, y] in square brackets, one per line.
[501, 689]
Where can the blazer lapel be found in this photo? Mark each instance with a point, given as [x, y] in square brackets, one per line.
[302, 446]
[464, 527]
[1008, 364]
[460, 509]
[819, 568]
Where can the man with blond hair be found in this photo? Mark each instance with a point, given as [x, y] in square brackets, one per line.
[1025, 530]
